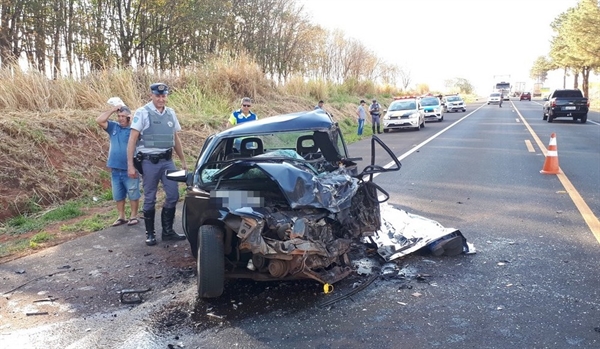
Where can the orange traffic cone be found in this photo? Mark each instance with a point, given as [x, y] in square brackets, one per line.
[551, 163]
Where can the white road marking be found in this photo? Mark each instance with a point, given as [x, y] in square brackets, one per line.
[529, 146]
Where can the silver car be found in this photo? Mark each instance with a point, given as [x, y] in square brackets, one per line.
[453, 103]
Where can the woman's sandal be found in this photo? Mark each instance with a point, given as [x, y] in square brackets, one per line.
[133, 221]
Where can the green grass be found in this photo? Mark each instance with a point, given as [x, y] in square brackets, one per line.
[69, 210]
[13, 246]
[95, 223]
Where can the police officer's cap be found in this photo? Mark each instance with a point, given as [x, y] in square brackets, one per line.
[159, 88]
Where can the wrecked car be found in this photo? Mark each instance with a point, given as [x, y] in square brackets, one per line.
[277, 199]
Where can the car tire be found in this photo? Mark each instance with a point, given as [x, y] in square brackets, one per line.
[386, 130]
[442, 118]
[584, 119]
[488, 103]
[545, 116]
[464, 110]
[211, 261]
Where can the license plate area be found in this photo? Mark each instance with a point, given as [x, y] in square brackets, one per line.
[571, 107]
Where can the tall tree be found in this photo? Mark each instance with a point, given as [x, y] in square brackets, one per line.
[576, 43]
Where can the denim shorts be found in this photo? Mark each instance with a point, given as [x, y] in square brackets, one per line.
[123, 186]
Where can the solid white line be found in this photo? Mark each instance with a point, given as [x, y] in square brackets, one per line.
[420, 145]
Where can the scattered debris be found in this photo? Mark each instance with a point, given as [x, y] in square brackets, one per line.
[354, 291]
[132, 300]
[37, 313]
[402, 233]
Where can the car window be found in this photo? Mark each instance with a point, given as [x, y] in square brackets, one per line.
[402, 105]
[427, 102]
[453, 99]
[495, 95]
[567, 93]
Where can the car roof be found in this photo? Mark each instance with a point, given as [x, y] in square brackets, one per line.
[300, 121]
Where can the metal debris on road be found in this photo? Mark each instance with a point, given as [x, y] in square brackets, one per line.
[354, 291]
[132, 300]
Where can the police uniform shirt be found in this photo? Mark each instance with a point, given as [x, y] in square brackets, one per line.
[141, 121]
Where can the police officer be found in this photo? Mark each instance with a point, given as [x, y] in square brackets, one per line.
[153, 138]
[243, 114]
[375, 111]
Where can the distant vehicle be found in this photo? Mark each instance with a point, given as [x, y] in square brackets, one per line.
[403, 113]
[566, 103]
[504, 88]
[537, 89]
[432, 108]
[525, 96]
[453, 103]
[494, 98]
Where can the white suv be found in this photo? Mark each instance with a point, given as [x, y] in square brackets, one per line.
[404, 112]
[432, 108]
[453, 103]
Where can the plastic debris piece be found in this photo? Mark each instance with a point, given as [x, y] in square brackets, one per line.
[416, 294]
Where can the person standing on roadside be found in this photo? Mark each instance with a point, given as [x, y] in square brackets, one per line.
[362, 115]
[319, 105]
[154, 136]
[501, 98]
[375, 111]
[123, 187]
[243, 114]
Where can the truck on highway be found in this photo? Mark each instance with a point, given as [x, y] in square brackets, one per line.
[504, 88]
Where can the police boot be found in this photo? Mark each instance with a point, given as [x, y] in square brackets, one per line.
[167, 216]
[149, 222]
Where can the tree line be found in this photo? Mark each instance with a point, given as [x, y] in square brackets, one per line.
[575, 46]
[75, 37]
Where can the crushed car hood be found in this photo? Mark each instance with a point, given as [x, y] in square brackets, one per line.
[301, 186]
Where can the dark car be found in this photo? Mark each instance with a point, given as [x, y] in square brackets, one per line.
[569, 103]
[525, 96]
[277, 199]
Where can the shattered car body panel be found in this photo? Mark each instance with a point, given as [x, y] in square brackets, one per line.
[286, 199]
[403, 233]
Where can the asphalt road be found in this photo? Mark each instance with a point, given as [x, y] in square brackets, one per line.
[533, 282]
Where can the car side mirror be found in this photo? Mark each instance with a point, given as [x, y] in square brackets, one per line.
[180, 176]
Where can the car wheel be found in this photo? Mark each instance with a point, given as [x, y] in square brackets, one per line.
[442, 118]
[210, 261]
[464, 110]
[488, 103]
[584, 119]
[545, 116]
[386, 130]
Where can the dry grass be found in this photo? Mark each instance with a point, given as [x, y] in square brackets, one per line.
[51, 149]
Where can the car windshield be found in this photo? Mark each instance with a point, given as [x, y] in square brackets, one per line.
[453, 99]
[408, 104]
[281, 146]
[495, 95]
[427, 102]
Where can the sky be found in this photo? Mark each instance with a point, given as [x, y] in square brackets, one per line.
[435, 40]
